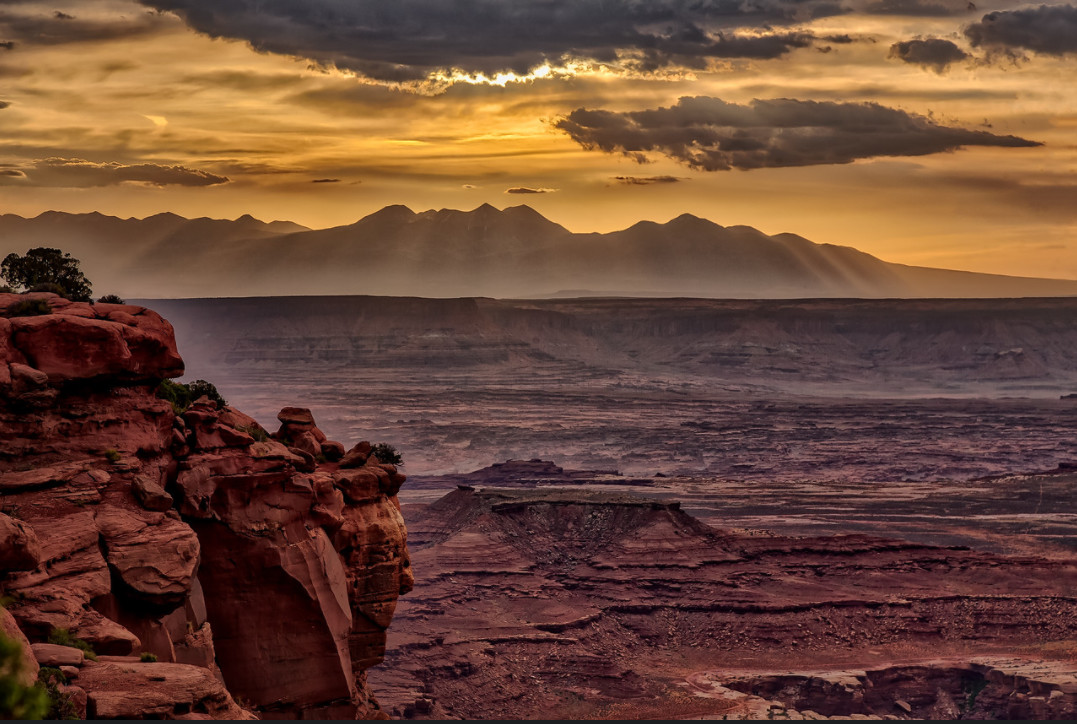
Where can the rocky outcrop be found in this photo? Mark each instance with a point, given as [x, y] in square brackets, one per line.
[246, 566]
[126, 688]
[984, 687]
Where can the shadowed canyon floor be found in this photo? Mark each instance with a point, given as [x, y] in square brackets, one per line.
[754, 509]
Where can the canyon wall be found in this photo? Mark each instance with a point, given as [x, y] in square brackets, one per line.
[215, 569]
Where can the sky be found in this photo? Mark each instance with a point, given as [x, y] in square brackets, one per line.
[930, 132]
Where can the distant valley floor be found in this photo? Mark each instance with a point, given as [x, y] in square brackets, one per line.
[818, 389]
[753, 510]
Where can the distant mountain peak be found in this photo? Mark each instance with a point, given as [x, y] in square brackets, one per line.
[397, 213]
[67, 215]
[694, 222]
[523, 210]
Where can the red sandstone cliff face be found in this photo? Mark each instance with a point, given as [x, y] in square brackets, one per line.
[231, 559]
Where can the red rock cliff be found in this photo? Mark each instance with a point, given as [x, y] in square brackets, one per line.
[230, 555]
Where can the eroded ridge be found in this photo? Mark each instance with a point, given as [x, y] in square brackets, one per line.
[593, 603]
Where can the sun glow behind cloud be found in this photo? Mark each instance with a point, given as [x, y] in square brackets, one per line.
[146, 92]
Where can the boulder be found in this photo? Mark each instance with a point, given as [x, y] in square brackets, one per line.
[156, 691]
[357, 456]
[26, 377]
[154, 555]
[357, 485]
[57, 655]
[393, 480]
[19, 547]
[333, 451]
[69, 346]
[28, 669]
[76, 698]
[271, 450]
[150, 494]
[296, 417]
[241, 421]
[308, 464]
[306, 442]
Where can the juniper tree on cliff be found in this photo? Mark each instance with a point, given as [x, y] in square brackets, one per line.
[46, 269]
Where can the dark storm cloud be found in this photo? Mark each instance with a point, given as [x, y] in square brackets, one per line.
[877, 91]
[4, 104]
[409, 39]
[7, 45]
[1047, 29]
[79, 173]
[59, 28]
[710, 134]
[528, 190]
[934, 53]
[920, 8]
[326, 181]
[646, 180]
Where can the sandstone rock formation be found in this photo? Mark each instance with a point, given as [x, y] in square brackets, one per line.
[247, 567]
[983, 687]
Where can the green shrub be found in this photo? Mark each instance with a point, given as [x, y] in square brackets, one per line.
[147, 658]
[176, 394]
[45, 269]
[254, 431]
[18, 701]
[50, 288]
[111, 299]
[29, 308]
[181, 395]
[63, 637]
[199, 388]
[112, 455]
[386, 453]
[60, 706]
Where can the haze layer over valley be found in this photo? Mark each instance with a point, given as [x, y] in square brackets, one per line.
[744, 388]
[515, 252]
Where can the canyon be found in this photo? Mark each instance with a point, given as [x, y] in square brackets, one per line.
[701, 508]
[597, 600]
[613, 508]
[733, 389]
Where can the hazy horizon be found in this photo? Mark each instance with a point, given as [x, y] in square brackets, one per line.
[627, 225]
[485, 252]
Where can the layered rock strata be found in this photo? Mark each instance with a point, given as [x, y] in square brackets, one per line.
[594, 604]
[250, 568]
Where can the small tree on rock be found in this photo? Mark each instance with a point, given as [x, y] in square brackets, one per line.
[386, 453]
[45, 266]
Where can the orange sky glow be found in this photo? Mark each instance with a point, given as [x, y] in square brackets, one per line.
[322, 116]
